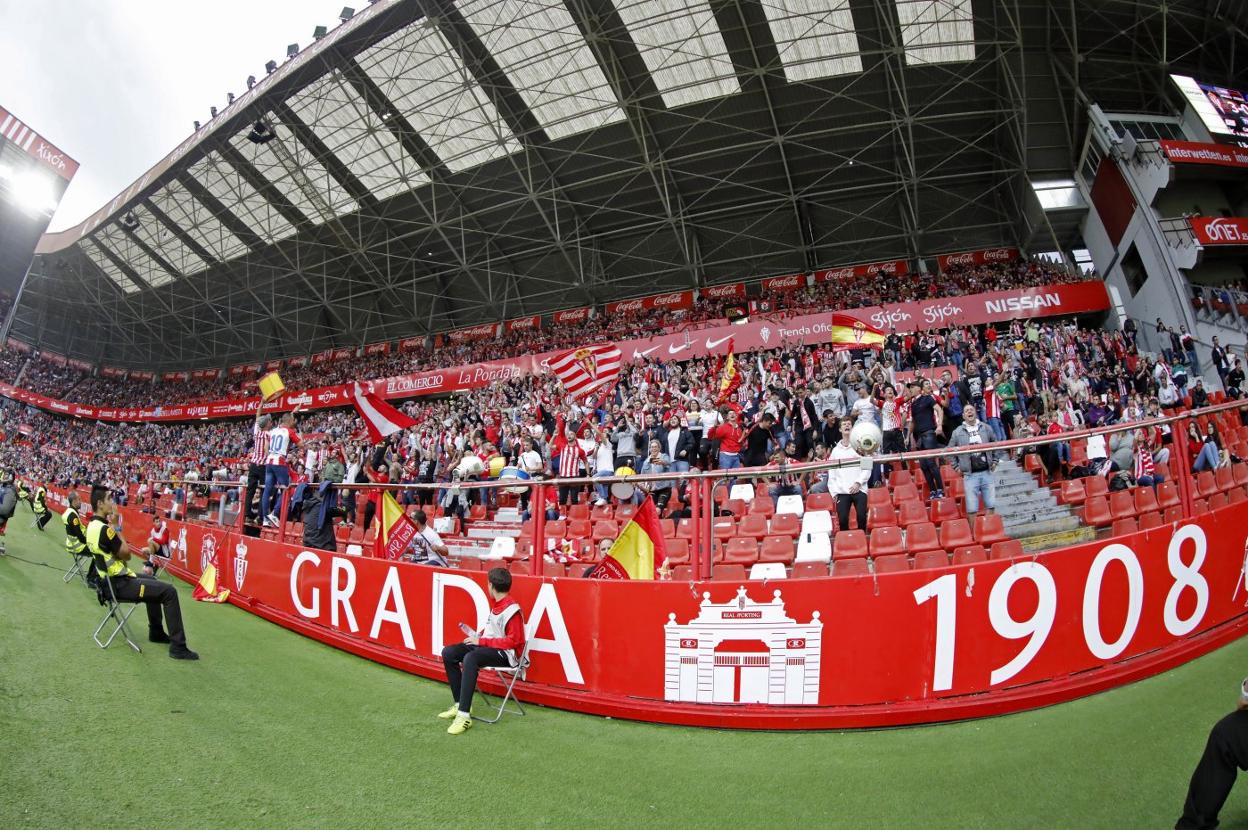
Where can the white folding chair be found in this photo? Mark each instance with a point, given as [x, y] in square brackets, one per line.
[108, 597]
[507, 675]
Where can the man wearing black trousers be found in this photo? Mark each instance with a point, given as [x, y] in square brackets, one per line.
[1225, 752]
[255, 465]
[500, 643]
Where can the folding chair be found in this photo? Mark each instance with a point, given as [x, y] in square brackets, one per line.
[82, 561]
[108, 597]
[517, 673]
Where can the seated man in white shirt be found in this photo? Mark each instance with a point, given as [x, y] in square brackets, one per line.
[427, 546]
[848, 483]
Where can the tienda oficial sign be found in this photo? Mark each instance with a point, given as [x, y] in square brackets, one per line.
[1220, 230]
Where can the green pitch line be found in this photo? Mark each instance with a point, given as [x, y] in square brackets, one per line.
[271, 729]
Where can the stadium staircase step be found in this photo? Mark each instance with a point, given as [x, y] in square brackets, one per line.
[488, 530]
[1031, 514]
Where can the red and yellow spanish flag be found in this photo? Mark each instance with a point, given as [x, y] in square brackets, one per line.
[851, 333]
[638, 550]
[206, 590]
[729, 375]
[395, 530]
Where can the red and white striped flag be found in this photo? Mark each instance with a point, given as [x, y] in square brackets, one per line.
[380, 418]
[583, 370]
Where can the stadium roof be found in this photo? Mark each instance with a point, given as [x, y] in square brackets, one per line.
[439, 163]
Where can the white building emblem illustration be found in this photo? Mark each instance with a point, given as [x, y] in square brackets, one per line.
[207, 552]
[240, 565]
[177, 546]
[742, 651]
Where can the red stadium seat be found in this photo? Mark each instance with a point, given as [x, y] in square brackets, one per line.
[881, 515]
[1206, 484]
[625, 512]
[944, 509]
[1125, 527]
[1200, 507]
[520, 567]
[820, 501]
[1006, 549]
[897, 477]
[785, 524]
[891, 564]
[604, 530]
[753, 525]
[1225, 478]
[763, 506]
[1239, 472]
[1168, 494]
[1071, 492]
[728, 572]
[849, 544]
[557, 529]
[677, 551]
[737, 507]
[850, 567]
[878, 495]
[923, 537]
[1096, 486]
[1148, 521]
[477, 513]
[955, 533]
[905, 492]
[989, 529]
[602, 513]
[1173, 514]
[1096, 512]
[682, 573]
[470, 563]
[578, 511]
[970, 555]
[1217, 501]
[1121, 504]
[1236, 495]
[777, 549]
[912, 512]
[931, 559]
[809, 569]
[741, 550]
[579, 529]
[1145, 501]
[723, 527]
[886, 541]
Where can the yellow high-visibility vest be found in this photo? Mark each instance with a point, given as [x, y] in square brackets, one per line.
[73, 544]
[113, 566]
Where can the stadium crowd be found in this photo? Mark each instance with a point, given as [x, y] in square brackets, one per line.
[68, 383]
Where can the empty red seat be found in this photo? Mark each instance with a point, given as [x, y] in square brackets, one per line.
[1168, 494]
[1236, 495]
[989, 529]
[519, 567]
[1224, 478]
[579, 510]
[930, 559]
[849, 544]
[579, 529]
[923, 537]
[905, 492]
[820, 501]
[944, 509]
[1006, 549]
[881, 515]
[1121, 504]
[785, 524]
[723, 527]
[877, 495]
[1239, 472]
[741, 550]
[470, 563]
[737, 507]
[557, 529]
[682, 573]
[1125, 527]
[1173, 514]
[886, 541]
[625, 512]
[911, 512]
[850, 567]
[1145, 501]
[602, 512]
[1217, 501]
[477, 512]
[901, 476]
[1206, 483]
[684, 529]
[1200, 507]
[1096, 486]
[1096, 512]
[753, 525]
[1150, 520]
[891, 563]
[1033, 465]
[777, 549]
[809, 569]
[970, 555]
[730, 571]
[1071, 492]
[955, 533]
[677, 551]
[763, 506]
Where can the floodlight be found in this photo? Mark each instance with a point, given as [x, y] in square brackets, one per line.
[292, 50]
[346, 14]
[196, 126]
[270, 67]
[251, 81]
[129, 222]
[319, 32]
[32, 190]
[261, 133]
[229, 98]
[213, 110]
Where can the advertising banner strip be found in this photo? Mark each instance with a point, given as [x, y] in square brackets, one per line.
[992, 307]
[1219, 230]
[1196, 152]
[971, 258]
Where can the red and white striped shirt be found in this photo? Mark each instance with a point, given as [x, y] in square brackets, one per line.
[570, 459]
[1144, 465]
[992, 404]
[259, 446]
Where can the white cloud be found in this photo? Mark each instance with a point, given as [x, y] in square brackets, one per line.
[117, 84]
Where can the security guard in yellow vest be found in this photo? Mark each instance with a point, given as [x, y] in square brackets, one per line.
[23, 494]
[42, 514]
[110, 553]
[76, 537]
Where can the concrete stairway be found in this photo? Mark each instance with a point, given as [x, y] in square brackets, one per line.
[1031, 513]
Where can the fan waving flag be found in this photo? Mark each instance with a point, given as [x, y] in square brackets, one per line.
[380, 418]
[638, 551]
[729, 376]
[395, 530]
[851, 333]
[583, 370]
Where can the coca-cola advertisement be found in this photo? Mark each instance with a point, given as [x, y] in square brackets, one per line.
[25, 348]
[376, 348]
[676, 300]
[112, 372]
[781, 285]
[892, 267]
[485, 331]
[142, 375]
[168, 377]
[53, 357]
[410, 344]
[343, 353]
[1221, 230]
[968, 259]
[80, 365]
[273, 365]
[296, 362]
[525, 323]
[731, 291]
[571, 315]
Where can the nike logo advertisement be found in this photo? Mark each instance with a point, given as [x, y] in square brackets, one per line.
[675, 349]
[710, 344]
[637, 354]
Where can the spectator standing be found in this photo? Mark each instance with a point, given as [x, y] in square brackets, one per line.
[977, 467]
[848, 484]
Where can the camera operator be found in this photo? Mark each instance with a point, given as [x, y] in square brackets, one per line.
[977, 467]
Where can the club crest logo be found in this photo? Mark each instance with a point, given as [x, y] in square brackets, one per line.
[765, 333]
[587, 361]
[240, 565]
[743, 651]
[207, 552]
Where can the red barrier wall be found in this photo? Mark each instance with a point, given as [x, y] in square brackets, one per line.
[910, 647]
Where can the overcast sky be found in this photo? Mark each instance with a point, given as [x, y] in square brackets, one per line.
[117, 84]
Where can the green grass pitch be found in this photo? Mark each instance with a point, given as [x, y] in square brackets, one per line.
[271, 729]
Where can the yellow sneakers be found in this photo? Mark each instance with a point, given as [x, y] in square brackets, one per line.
[460, 725]
[450, 713]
